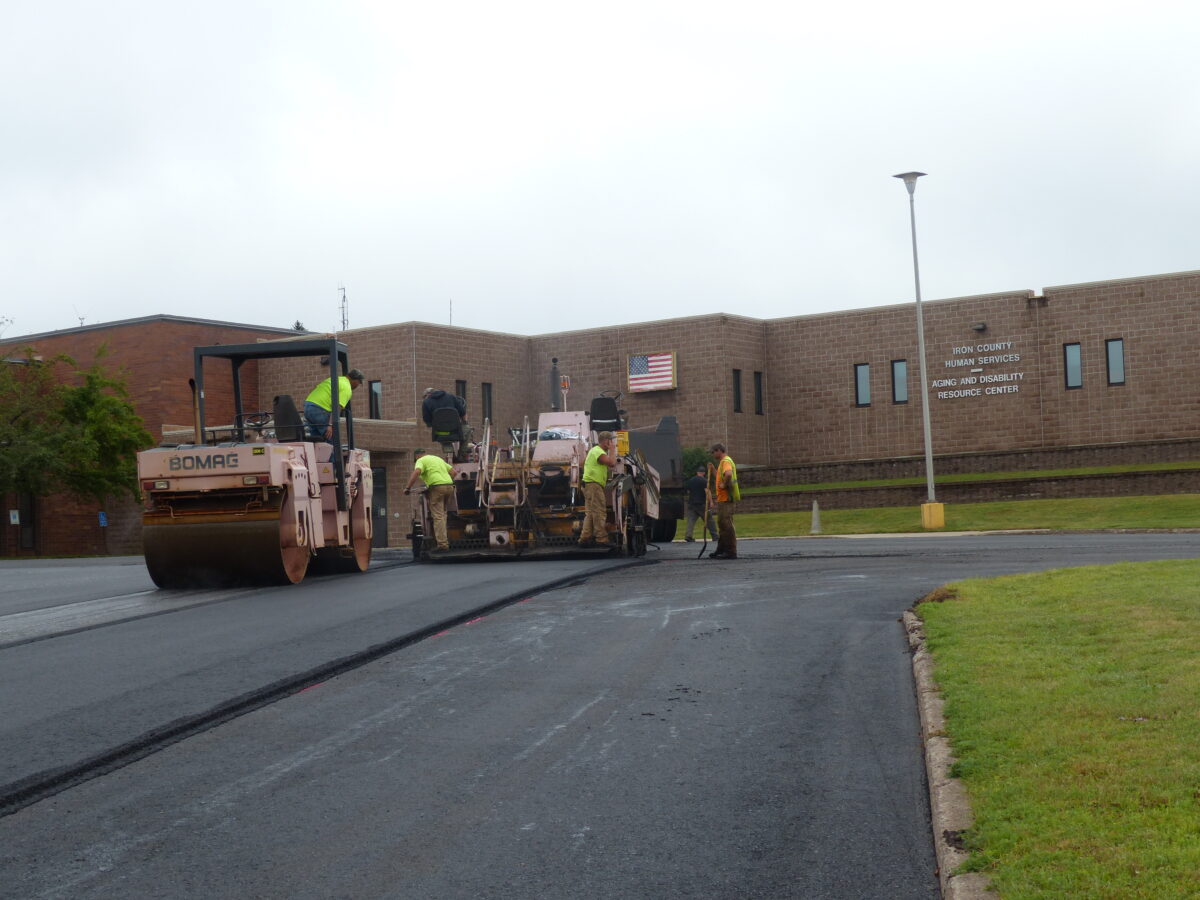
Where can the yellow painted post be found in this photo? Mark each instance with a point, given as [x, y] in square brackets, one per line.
[933, 515]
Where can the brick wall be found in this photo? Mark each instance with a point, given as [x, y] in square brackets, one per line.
[707, 350]
[1159, 320]
[1010, 343]
[1134, 453]
[154, 356]
[815, 417]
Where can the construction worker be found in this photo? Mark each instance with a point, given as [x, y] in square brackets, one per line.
[434, 399]
[599, 460]
[318, 405]
[698, 506]
[438, 476]
[727, 493]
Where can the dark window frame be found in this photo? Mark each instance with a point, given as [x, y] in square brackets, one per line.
[1067, 366]
[375, 399]
[859, 384]
[460, 389]
[485, 397]
[899, 382]
[758, 394]
[737, 390]
[1108, 345]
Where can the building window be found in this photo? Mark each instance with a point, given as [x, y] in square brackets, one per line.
[899, 380]
[862, 384]
[375, 399]
[1115, 352]
[486, 404]
[758, 394]
[1072, 366]
[460, 389]
[737, 390]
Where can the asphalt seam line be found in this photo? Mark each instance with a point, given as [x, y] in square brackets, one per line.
[32, 789]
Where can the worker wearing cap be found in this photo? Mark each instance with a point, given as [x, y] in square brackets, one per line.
[698, 506]
[438, 476]
[726, 495]
[599, 460]
[318, 405]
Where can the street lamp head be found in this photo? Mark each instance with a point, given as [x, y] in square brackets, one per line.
[910, 180]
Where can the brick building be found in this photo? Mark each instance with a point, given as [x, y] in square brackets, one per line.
[1079, 375]
[154, 354]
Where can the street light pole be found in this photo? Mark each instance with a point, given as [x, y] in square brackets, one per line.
[910, 182]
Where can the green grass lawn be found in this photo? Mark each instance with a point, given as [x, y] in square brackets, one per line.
[1073, 706]
[966, 478]
[1166, 511]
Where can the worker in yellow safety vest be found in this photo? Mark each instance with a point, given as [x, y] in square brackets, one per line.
[318, 405]
[599, 460]
[438, 476]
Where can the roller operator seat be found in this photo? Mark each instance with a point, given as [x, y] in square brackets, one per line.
[605, 415]
[447, 426]
[288, 424]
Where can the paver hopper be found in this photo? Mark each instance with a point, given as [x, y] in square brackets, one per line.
[257, 501]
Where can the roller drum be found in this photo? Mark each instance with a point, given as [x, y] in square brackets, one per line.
[222, 553]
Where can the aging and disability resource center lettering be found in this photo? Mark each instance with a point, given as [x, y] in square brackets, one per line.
[976, 381]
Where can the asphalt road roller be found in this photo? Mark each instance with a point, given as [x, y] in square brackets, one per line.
[257, 500]
[522, 496]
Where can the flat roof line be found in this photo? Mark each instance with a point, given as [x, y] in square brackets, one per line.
[158, 317]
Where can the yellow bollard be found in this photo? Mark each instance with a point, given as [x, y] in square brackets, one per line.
[933, 515]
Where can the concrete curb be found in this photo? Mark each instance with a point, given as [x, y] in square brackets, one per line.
[948, 804]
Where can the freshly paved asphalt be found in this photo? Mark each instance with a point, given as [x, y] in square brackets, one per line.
[681, 729]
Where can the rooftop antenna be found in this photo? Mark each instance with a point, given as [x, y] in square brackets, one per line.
[344, 306]
[5, 321]
[79, 316]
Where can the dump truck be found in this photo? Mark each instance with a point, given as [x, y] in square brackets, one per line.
[257, 500]
[524, 497]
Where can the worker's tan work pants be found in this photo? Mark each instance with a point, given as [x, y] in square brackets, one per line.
[727, 537]
[596, 513]
[439, 496]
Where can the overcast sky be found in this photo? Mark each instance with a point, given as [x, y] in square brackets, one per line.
[545, 166]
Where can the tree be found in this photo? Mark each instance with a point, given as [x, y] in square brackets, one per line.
[63, 428]
[28, 425]
[694, 458]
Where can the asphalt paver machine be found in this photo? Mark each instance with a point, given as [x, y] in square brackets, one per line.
[257, 501]
[526, 499]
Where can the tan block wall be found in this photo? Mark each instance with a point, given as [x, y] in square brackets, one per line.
[707, 350]
[1159, 320]
[808, 371]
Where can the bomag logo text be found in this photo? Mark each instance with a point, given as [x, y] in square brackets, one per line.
[195, 463]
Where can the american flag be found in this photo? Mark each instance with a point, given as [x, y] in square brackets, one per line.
[652, 372]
